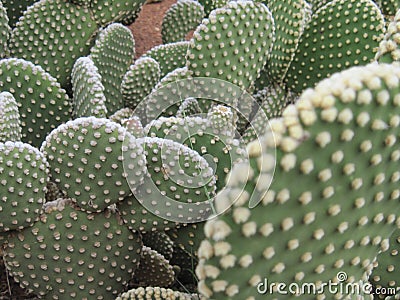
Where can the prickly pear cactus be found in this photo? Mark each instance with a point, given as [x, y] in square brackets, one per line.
[290, 19]
[189, 107]
[385, 275]
[15, 9]
[389, 47]
[72, 254]
[86, 160]
[160, 242]
[10, 123]
[42, 103]
[155, 293]
[53, 34]
[222, 49]
[388, 7]
[24, 175]
[5, 32]
[335, 39]
[178, 187]
[180, 19]
[154, 269]
[338, 145]
[112, 54]
[169, 56]
[88, 90]
[139, 80]
[123, 11]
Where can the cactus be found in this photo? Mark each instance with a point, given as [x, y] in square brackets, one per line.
[156, 293]
[42, 103]
[222, 49]
[154, 269]
[10, 123]
[389, 47]
[88, 90]
[189, 107]
[139, 80]
[5, 32]
[385, 275]
[388, 7]
[112, 54]
[72, 254]
[180, 19]
[53, 34]
[15, 9]
[179, 179]
[121, 115]
[24, 172]
[160, 242]
[290, 19]
[338, 144]
[169, 56]
[86, 161]
[117, 11]
[317, 55]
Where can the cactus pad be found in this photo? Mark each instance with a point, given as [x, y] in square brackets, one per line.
[53, 34]
[337, 144]
[89, 99]
[10, 123]
[24, 172]
[155, 293]
[112, 54]
[180, 19]
[336, 39]
[42, 103]
[72, 254]
[139, 81]
[222, 49]
[389, 47]
[86, 160]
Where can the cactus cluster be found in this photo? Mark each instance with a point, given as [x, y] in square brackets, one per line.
[258, 142]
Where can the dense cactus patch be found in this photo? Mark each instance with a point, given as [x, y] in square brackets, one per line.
[258, 143]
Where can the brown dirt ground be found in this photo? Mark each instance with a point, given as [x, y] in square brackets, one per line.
[147, 27]
[147, 33]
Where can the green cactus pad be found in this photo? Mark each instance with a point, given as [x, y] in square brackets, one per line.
[10, 123]
[53, 34]
[210, 5]
[385, 275]
[155, 293]
[169, 56]
[86, 3]
[71, 254]
[290, 19]
[88, 90]
[160, 242]
[222, 49]
[153, 270]
[122, 114]
[186, 239]
[389, 47]
[178, 188]
[180, 19]
[335, 39]
[86, 161]
[220, 149]
[138, 82]
[15, 9]
[112, 54]
[5, 32]
[333, 201]
[42, 103]
[123, 11]
[189, 107]
[24, 172]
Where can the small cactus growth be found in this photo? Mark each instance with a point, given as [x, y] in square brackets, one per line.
[258, 142]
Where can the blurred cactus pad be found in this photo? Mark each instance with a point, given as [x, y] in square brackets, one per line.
[251, 151]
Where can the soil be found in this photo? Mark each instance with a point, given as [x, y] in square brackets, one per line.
[147, 27]
[147, 33]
